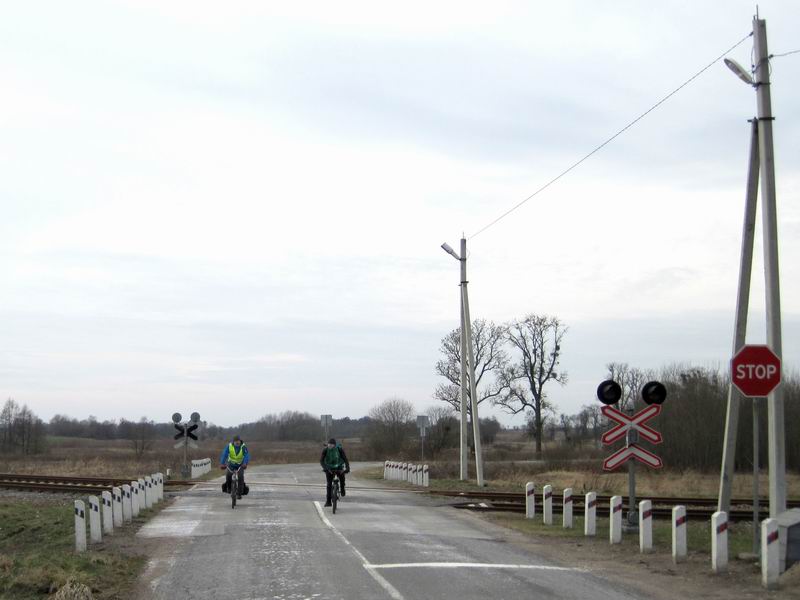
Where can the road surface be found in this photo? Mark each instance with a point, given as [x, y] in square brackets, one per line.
[281, 544]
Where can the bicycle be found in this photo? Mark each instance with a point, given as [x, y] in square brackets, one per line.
[335, 489]
[234, 484]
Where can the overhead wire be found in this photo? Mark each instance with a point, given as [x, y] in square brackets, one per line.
[612, 138]
[784, 54]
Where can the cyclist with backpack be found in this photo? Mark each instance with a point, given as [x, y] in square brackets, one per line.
[234, 455]
[333, 459]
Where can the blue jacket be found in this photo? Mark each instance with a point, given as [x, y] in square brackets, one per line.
[223, 459]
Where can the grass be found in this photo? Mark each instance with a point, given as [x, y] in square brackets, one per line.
[37, 553]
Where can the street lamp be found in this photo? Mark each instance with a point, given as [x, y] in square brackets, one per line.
[739, 71]
[467, 367]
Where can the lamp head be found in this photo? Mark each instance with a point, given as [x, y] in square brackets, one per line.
[739, 71]
[446, 247]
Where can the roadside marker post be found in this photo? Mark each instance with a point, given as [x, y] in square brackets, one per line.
[547, 504]
[420, 475]
[160, 486]
[108, 513]
[567, 510]
[127, 503]
[615, 520]
[385, 469]
[719, 541]
[80, 526]
[678, 533]
[148, 492]
[135, 498]
[530, 500]
[95, 528]
[770, 554]
[142, 496]
[117, 506]
[645, 526]
[426, 481]
[590, 514]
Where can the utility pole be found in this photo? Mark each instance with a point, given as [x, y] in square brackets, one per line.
[464, 392]
[769, 219]
[764, 155]
[466, 326]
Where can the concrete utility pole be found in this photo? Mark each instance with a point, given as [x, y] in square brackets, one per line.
[467, 371]
[466, 325]
[766, 165]
[769, 219]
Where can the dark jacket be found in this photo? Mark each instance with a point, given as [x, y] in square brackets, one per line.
[341, 453]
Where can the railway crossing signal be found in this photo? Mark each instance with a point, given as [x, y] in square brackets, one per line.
[186, 437]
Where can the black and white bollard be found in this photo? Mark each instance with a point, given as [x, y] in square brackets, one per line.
[148, 491]
[426, 481]
[645, 526]
[135, 499]
[127, 503]
[142, 496]
[80, 526]
[386, 469]
[615, 520]
[530, 500]
[108, 513]
[719, 541]
[95, 526]
[678, 533]
[547, 504]
[770, 554]
[590, 514]
[160, 486]
[567, 509]
[117, 506]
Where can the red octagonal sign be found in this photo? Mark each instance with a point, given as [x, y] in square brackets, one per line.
[756, 371]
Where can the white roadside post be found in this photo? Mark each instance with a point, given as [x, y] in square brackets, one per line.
[160, 486]
[117, 512]
[770, 554]
[95, 528]
[426, 481]
[590, 514]
[142, 496]
[719, 541]
[80, 526]
[148, 492]
[385, 469]
[615, 520]
[678, 533]
[135, 499]
[530, 500]
[411, 469]
[154, 488]
[419, 475]
[127, 504]
[567, 510]
[645, 526]
[547, 504]
[108, 513]
[404, 472]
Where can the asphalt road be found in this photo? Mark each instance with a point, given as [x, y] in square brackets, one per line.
[281, 544]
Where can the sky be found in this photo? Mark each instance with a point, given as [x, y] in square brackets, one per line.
[237, 210]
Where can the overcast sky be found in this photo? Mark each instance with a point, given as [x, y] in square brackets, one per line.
[238, 209]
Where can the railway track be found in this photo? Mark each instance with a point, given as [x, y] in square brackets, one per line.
[59, 483]
[697, 509]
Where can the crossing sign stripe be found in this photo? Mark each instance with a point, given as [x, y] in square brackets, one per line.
[636, 422]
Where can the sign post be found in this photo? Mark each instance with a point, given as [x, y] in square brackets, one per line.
[327, 425]
[186, 437]
[423, 422]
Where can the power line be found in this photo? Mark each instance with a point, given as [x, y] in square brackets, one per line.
[613, 137]
[784, 54]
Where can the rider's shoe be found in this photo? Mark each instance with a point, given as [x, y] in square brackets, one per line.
[238, 496]
[328, 504]
[343, 494]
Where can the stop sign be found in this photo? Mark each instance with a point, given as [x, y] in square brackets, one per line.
[756, 371]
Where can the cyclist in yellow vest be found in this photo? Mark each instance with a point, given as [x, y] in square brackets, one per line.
[234, 455]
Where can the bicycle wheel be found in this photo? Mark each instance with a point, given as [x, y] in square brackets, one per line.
[234, 487]
[335, 496]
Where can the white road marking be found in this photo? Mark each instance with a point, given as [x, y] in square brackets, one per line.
[390, 589]
[445, 565]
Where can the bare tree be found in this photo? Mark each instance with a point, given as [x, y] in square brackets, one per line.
[391, 425]
[142, 438]
[536, 344]
[631, 380]
[488, 340]
[443, 429]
